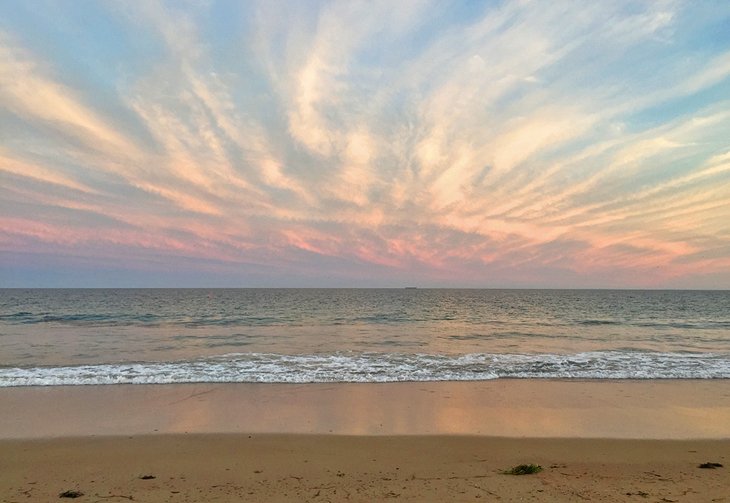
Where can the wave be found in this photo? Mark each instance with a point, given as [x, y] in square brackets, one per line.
[80, 319]
[380, 367]
[600, 322]
[187, 320]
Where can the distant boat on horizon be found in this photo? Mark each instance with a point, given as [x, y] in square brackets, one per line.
[411, 287]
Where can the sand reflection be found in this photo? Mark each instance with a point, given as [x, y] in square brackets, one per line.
[518, 408]
[618, 409]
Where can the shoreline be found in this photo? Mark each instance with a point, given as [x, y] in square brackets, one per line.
[619, 409]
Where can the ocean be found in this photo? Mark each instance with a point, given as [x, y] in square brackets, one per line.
[137, 336]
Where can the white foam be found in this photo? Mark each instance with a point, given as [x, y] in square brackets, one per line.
[381, 367]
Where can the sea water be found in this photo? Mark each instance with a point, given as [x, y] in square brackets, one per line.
[121, 336]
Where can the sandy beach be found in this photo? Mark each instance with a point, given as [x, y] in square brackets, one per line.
[332, 468]
[596, 441]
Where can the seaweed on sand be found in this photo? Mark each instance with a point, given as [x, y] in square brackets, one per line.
[711, 466]
[70, 494]
[524, 469]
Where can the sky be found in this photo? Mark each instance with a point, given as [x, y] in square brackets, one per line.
[492, 144]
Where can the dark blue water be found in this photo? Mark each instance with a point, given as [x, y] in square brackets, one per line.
[328, 335]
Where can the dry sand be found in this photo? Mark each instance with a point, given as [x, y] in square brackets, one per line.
[197, 468]
[617, 441]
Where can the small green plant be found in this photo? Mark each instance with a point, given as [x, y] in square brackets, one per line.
[524, 469]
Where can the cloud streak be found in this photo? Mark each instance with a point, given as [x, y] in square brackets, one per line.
[349, 143]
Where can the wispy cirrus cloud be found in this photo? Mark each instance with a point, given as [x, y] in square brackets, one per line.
[510, 144]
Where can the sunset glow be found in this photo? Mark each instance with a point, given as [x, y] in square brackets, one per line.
[480, 144]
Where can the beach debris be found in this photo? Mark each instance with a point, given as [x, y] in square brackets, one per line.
[711, 466]
[71, 493]
[524, 469]
[147, 477]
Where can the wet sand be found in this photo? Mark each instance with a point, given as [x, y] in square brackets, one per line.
[596, 441]
[653, 409]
